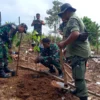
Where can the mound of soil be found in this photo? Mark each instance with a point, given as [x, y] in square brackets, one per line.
[33, 86]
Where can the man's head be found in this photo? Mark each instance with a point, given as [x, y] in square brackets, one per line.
[22, 28]
[46, 42]
[38, 16]
[66, 11]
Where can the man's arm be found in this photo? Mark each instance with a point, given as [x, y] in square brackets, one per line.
[11, 34]
[42, 22]
[32, 23]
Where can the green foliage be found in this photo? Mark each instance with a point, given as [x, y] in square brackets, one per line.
[16, 40]
[10, 59]
[35, 36]
[15, 44]
[18, 43]
[93, 28]
[35, 39]
[36, 49]
[8, 55]
[53, 18]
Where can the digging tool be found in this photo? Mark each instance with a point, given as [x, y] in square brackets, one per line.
[63, 68]
[18, 55]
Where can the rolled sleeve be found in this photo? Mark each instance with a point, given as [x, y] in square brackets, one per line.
[73, 25]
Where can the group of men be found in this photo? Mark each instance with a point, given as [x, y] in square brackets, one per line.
[75, 42]
[77, 47]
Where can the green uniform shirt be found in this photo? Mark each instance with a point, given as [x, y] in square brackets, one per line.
[77, 48]
[51, 53]
[7, 33]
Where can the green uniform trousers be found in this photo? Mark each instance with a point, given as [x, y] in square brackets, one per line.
[50, 63]
[3, 56]
[78, 65]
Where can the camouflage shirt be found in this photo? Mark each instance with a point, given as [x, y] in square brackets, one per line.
[77, 48]
[51, 53]
[6, 34]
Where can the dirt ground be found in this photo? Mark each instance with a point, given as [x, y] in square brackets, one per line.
[29, 85]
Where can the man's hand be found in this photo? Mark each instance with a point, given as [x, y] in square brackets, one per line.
[42, 22]
[10, 51]
[61, 44]
[61, 33]
[64, 51]
[38, 59]
[72, 37]
[14, 56]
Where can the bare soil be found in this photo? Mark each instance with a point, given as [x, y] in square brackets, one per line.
[29, 85]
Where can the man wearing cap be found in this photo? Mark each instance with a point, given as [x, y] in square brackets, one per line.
[38, 24]
[50, 56]
[7, 33]
[78, 48]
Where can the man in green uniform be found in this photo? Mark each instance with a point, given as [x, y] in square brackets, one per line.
[78, 48]
[7, 33]
[49, 56]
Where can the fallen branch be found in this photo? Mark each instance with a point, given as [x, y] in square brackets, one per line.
[70, 84]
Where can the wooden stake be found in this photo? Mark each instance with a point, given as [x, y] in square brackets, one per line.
[62, 64]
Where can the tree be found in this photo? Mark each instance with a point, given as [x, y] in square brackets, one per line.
[93, 29]
[53, 20]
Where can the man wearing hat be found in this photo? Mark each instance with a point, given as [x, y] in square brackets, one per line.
[7, 33]
[50, 56]
[78, 48]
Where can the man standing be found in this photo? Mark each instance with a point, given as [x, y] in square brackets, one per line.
[50, 56]
[78, 48]
[38, 24]
[7, 33]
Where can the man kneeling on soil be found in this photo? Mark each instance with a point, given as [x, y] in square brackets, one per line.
[50, 56]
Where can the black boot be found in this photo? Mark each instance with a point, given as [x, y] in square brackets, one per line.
[73, 91]
[3, 74]
[52, 70]
[60, 73]
[7, 70]
[83, 98]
